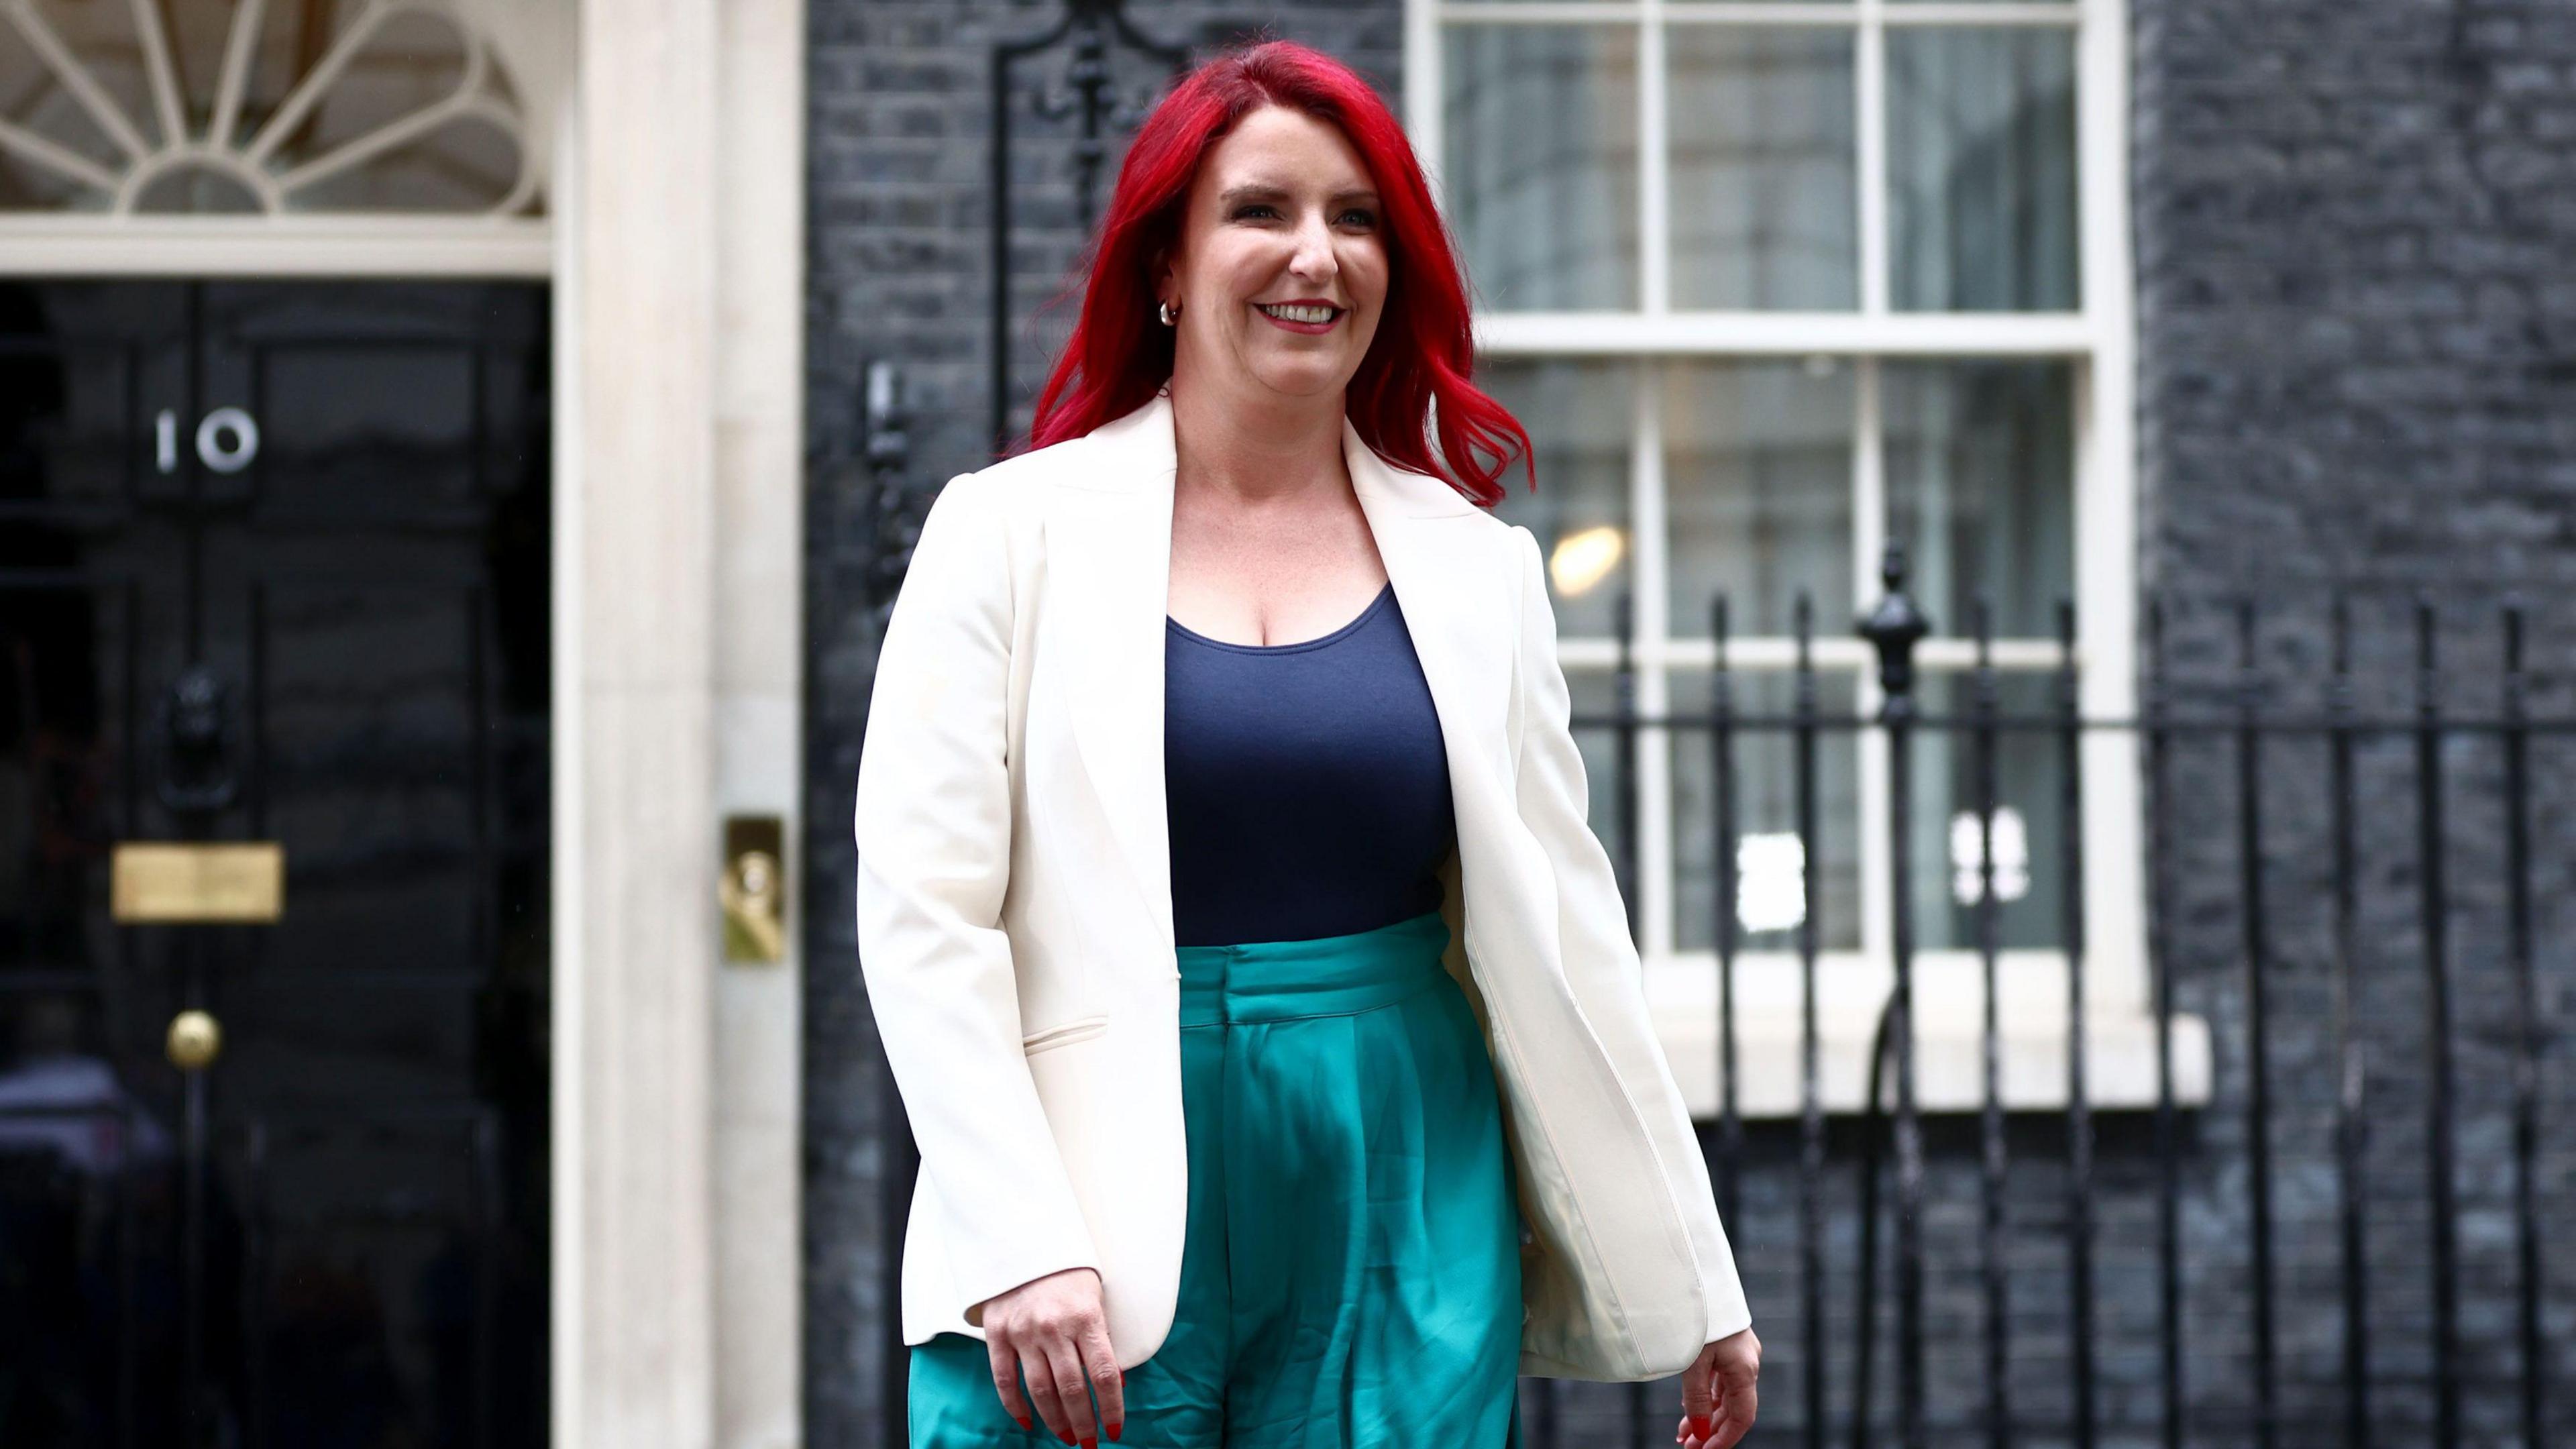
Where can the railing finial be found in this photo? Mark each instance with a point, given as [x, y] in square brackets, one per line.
[1894, 628]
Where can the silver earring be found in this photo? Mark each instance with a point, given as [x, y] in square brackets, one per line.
[1165, 311]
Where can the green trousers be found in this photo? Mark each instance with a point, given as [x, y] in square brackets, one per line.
[1351, 1274]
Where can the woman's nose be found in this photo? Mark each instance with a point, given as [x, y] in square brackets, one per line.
[1314, 254]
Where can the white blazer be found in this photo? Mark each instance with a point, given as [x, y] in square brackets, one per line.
[1015, 913]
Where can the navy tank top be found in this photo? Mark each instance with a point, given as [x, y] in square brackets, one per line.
[1306, 784]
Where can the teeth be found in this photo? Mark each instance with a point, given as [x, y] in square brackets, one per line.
[1301, 314]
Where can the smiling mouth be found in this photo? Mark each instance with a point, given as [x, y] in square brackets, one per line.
[1309, 316]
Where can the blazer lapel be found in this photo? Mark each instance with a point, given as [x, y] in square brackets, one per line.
[1109, 549]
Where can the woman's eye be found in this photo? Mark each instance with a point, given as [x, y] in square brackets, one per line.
[1366, 217]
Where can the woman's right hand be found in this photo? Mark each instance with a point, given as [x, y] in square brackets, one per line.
[1055, 1330]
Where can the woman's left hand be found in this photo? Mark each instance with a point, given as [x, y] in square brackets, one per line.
[1717, 1393]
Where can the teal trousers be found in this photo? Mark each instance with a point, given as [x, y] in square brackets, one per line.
[1351, 1272]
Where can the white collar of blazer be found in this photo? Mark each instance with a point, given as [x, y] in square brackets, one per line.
[1109, 543]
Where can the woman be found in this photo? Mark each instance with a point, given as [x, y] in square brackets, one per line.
[1263, 1005]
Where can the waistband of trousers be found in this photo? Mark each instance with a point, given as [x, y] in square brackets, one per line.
[1321, 976]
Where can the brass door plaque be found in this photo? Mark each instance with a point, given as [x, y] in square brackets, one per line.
[161, 882]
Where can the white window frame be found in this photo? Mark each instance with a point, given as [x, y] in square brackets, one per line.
[2097, 340]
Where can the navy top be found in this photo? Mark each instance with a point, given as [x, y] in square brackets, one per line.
[1306, 785]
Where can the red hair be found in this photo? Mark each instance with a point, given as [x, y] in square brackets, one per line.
[1118, 355]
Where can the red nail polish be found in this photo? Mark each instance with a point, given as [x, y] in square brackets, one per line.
[1023, 1418]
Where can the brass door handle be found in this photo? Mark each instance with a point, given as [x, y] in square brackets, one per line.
[195, 1040]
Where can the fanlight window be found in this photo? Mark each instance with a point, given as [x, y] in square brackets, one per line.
[198, 107]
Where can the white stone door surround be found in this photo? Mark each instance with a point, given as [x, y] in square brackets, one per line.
[680, 626]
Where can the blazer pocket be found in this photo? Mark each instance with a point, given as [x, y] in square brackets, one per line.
[1079, 1029]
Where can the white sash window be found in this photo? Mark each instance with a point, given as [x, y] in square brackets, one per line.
[1771, 283]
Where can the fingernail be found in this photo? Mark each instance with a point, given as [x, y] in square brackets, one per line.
[1118, 1428]
[1699, 1427]
[1024, 1420]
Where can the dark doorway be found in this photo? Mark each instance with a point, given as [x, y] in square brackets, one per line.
[273, 568]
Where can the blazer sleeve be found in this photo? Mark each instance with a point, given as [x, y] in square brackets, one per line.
[1601, 962]
[933, 823]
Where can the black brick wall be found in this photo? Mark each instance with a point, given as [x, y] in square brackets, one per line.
[2357, 362]
[2357, 310]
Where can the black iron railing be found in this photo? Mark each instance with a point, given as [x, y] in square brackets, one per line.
[2299, 915]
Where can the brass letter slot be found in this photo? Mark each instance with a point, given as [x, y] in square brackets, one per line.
[159, 882]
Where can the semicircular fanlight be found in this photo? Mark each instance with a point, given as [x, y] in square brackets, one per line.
[256, 108]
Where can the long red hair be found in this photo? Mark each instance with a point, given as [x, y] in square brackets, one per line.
[1118, 354]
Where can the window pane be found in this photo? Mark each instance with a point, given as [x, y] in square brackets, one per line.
[1762, 148]
[1578, 413]
[2029, 829]
[1539, 158]
[1981, 169]
[1757, 485]
[1980, 488]
[1771, 896]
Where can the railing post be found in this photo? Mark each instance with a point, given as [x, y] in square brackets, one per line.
[1894, 627]
[1994, 1158]
[2526, 1041]
[2258, 1028]
[1811, 1091]
[2441, 1164]
[2352, 1113]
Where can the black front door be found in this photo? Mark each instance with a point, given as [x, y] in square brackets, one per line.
[273, 572]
